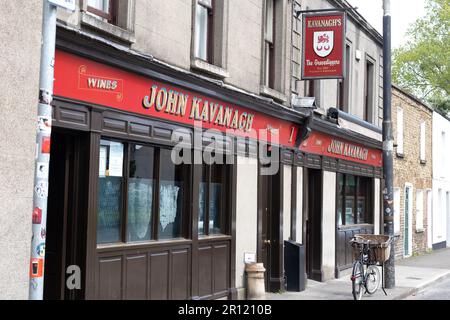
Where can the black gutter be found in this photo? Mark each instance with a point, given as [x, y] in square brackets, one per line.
[75, 42]
[327, 127]
[336, 114]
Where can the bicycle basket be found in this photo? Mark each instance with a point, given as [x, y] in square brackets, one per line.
[379, 246]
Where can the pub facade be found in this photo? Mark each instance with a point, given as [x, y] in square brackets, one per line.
[178, 157]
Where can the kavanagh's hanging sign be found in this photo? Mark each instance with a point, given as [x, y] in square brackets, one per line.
[323, 46]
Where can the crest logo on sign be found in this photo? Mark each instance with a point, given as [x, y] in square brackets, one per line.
[323, 43]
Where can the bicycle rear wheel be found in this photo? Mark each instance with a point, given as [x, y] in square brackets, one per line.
[357, 280]
[373, 279]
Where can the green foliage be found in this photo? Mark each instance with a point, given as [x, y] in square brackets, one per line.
[421, 66]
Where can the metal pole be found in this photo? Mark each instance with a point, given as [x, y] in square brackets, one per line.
[388, 145]
[44, 119]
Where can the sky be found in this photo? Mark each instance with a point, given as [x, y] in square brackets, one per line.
[404, 12]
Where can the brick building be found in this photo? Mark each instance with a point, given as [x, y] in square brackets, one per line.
[412, 129]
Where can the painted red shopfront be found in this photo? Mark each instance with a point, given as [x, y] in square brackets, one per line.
[88, 81]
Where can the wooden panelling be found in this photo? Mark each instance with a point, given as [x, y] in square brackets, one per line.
[313, 161]
[329, 164]
[299, 159]
[287, 156]
[150, 273]
[73, 118]
[214, 268]
[118, 126]
[110, 279]
[136, 274]
[344, 251]
[159, 275]
[205, 270]
[221, 269]
[140, 129]
[180, 274]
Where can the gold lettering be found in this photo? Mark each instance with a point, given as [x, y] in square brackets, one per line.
[205, 111]
[242, 120]
[149, 101]
[195, 113]
[227, 117]
[249, 125]
[161, 99]
[212, 111]
[219, 117]
[234, 124]
[172, 102]
[182, 104]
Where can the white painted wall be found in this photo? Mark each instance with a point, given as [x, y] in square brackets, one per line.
[329, 225]
[441, 178]
[246, 215]
[377, 206]
[299, 221]
[287, 184]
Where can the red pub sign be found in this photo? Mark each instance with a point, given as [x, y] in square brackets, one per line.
[85, 80]
[323, 46]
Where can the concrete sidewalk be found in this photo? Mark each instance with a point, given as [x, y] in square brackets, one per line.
[412, 275]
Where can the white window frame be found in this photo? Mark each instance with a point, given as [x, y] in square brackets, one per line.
[419, 210]
[423, 142]
[410, 218]
[400, 131]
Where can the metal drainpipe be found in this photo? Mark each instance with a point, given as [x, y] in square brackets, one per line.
[40, 195]
[388, 145]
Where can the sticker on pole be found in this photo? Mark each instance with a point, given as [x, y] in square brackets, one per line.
[67, 4]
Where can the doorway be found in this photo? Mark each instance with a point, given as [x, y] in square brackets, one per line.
[407, 243]
[314, 224]
[66, 217]
[270, 242]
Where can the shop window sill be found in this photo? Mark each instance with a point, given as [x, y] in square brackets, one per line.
[272, 93]
[105, 27]
[216, 71]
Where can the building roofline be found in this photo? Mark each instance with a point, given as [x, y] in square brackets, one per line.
[359, 19]
[413, 97]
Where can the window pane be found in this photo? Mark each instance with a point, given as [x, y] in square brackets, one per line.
[201, 32]
[350, 190]
[202, 200]
[215, 199]
[140, 193]
[171, 192]
[269, 21]
[340, 198]
[110, 192]
[365, 208]
[102, 5]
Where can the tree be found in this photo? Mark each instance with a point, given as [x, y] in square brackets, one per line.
[421, 66]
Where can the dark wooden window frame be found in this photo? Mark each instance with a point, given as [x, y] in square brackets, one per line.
[224, 201]
[369, 80]
[111, 15]
[269, 79]
[187, 193]
[210, 30]
[368, 206]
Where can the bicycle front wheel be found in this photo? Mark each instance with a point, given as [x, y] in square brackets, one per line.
[373, 279]
[357, 280]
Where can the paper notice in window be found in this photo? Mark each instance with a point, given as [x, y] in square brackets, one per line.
[115, 159]
[102, 162]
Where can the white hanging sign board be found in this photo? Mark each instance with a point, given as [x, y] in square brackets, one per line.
[67, 4]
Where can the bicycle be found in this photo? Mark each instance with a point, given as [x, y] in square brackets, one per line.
[370, 251]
